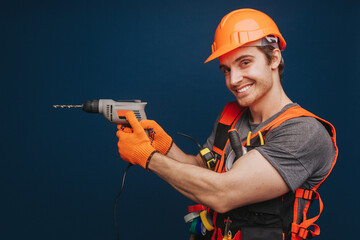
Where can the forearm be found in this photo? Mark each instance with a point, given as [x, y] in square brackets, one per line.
[252, 179]
[196, 183]
[177, 154]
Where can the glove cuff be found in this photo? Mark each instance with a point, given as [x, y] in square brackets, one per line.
[143, 155]
[164, 145]
[148, 160]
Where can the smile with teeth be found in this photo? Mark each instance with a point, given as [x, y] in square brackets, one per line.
[243, 89]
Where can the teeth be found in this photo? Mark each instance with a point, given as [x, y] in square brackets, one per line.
[243, 89]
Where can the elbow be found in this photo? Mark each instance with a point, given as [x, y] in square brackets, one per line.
[221, 204]
[222, 208]
[220, 200]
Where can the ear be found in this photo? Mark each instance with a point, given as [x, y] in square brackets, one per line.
[276, 59]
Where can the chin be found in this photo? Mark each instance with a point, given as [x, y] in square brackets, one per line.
[245, 102]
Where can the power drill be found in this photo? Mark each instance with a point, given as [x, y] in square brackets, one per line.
[113, 111]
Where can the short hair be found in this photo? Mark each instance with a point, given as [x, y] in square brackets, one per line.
[268, 52]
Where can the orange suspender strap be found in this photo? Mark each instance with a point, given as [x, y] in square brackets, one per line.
[292, 112]
[229, 116]
[230, 113]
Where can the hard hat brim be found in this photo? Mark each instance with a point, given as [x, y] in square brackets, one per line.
[228, 48]
[222, 51]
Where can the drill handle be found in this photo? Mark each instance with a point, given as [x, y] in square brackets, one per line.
[114, 111]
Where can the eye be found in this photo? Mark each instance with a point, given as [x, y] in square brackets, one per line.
[244, 63]
[225, 70]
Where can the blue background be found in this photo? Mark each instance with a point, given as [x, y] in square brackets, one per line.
[60, 170]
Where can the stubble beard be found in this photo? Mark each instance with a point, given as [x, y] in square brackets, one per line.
[259, 92]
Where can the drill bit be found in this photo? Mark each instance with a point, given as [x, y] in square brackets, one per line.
[67, 106]
[90, 106]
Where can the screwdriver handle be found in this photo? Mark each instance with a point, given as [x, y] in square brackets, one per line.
[235, 142]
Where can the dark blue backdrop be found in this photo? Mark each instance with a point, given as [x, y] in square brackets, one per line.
[60, 170]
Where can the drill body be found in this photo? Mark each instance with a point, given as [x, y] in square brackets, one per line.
[113, 111]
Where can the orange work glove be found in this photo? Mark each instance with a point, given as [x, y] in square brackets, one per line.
[160, 140]
[134, 146]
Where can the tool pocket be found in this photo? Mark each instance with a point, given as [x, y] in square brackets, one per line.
[221, 237]
[258, 233]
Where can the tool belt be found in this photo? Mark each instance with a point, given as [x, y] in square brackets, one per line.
[276, 219]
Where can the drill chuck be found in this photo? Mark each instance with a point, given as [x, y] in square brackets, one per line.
[91, 106]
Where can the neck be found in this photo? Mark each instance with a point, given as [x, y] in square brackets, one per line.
[269, 105]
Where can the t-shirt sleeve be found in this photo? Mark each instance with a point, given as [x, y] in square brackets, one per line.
[301, 150]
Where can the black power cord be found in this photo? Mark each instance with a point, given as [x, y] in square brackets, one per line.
[196, 142]
[117, 199]
[207, 156]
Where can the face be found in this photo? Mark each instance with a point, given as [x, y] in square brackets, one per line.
[247, 74]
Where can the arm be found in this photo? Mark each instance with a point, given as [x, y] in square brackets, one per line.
[252, 179]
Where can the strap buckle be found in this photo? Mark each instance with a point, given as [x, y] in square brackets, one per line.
[305, 233]
[306, 194]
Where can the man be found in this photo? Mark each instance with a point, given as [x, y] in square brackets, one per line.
[265, 193]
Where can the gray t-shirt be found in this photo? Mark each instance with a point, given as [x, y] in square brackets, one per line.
[300, 149]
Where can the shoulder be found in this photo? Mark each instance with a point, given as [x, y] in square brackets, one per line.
[300, 127]
[301, 136]
[301, 147]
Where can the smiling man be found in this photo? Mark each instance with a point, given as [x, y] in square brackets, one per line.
[254, 80]
[287, 152]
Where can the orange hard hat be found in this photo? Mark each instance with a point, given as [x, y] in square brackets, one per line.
[240, 27]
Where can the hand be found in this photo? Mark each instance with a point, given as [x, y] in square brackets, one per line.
[134, 145]
[160, 140]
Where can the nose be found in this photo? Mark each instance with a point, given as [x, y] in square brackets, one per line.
[236, 76]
